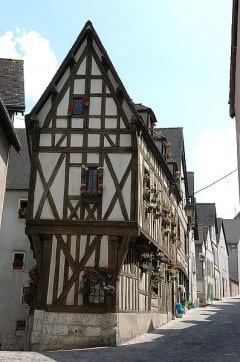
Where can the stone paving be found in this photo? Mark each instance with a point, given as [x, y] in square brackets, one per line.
[204, 334]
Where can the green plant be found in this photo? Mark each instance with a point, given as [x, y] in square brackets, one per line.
[95, 276]
[157, 277]
[22, 213]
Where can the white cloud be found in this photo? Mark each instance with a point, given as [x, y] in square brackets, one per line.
[214, 157]
[40, 62]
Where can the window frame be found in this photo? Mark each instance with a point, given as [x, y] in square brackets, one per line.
[22, 210]
[76, 107]
[24, 291]
[19, 264]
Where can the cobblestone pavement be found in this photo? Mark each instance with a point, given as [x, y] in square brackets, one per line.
[204, 334]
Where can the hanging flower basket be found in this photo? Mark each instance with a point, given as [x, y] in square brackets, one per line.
[168, 154]
[157, 277]
[166, 209]
[166, 220]
[146, 177]
[92, 277]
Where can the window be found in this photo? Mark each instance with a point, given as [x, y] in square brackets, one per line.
[78, 107]
[22, 209]
[21, 326]
[146, 185]
[25, 296]
[96, 295]
[92, 180]
[18, 260]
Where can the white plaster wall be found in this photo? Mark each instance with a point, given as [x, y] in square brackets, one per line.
[78, 54]
[62, 109]
[48, 163]
[4, 153]
[44, 111]
[119, 165]
[111, 123]
[96, 86]
[111, 108]
[95, 69]
[223, 266]
[13, 238]
[63, 79]
[95, 106]
[79, 86]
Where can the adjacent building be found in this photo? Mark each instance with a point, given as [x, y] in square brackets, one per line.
[232, 233]
[16, 255]
[223, 261]
[11, 102]
[208, 278]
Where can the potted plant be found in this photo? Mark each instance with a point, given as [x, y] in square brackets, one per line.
[22, 213]
[18, 264]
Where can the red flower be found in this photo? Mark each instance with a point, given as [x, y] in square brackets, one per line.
[71, 108]
[108, 268]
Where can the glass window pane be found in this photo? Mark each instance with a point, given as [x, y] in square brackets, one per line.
[92, 179]
[78, 107]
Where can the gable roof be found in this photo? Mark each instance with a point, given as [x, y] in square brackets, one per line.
[221, 227]
[232, 230]
[206, 214]
[12, 84]
[19, 165]
[87, 32]
[174, 135]
[206, 217]
[8, 127]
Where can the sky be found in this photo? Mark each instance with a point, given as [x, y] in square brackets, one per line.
[171, 55]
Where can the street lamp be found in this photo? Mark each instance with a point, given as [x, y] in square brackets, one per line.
[189, 209]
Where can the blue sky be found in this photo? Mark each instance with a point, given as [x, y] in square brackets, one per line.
[172, 55]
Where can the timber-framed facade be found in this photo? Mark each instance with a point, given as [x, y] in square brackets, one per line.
[106, 215]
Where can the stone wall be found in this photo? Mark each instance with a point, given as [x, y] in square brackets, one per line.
[51, 331]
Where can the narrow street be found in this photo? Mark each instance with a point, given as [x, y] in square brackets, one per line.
[203, 334]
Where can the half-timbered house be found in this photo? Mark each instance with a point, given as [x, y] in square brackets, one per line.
[104, 208]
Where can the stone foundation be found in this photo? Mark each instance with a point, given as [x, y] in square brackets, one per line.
[52, 331]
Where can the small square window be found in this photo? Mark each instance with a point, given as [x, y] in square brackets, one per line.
[18, 261]
[22, 209]
[78, 107]
[21, 326]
